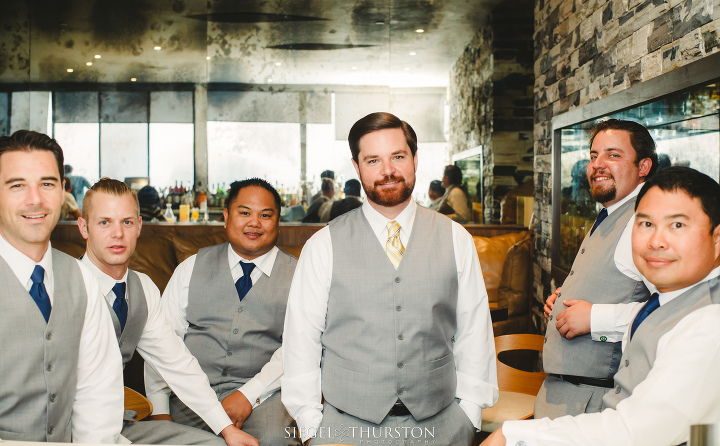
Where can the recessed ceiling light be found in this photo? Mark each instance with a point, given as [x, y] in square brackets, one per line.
[97, 56]
[419, 30]
[133, 79]
[380, 22]
[157, 48]
[407, 69]
[269, 81]
[89, 64]
[207, 58]
[70, 70]
[277, 64]
[354, 68]
[412, 53]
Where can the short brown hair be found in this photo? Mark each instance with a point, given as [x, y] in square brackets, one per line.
[640, 139]
[379, 121]
[28, 141]
[111, 187]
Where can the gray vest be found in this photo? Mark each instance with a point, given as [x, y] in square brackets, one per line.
[136, 319]
[38, 361]
[640, 352]
[232, 339]
[389, 334]
[593, 278]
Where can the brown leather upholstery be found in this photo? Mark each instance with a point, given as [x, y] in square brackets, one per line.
[155, 257]
[491, 252]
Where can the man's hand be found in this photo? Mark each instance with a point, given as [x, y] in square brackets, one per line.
[574, 320]
[495, 439]
[235, 437]
[161, 417]
[550, 302]
[237, 407]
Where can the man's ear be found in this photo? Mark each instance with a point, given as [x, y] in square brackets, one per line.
[82, 225]
[716, 243]
[139, 225]
[645, 165]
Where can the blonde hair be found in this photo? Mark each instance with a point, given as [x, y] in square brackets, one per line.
[111, 187]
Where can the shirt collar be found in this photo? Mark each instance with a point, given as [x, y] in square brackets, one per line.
[378, 222]
[264, 263]
[669, 296]
[627, 198]
[22, 266]
[106, 282]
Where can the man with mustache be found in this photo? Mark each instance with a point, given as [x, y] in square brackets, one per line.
[59, 362]
[596, 303]
[667, 380]
[388, 317]
[228, 304]
[111, 225]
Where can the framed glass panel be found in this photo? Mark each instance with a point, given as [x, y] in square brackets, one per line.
[171, 155]
[81, 147]
[123, 150]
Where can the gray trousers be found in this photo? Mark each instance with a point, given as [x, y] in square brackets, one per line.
[167, 432]
[558, 398]
[269, 422]
[449, 427]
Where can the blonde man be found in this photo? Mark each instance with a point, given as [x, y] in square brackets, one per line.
[111, 225]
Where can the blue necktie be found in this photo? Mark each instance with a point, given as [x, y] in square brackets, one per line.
[39, 293]
[601, 216]
[652, 304]
[244, 283]
[120, 305]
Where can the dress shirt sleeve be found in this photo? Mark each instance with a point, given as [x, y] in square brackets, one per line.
[266, 382]
[304, 325]
[162, 348]
[681, 390]
[609, 322]
[97, 413]
[174, 307]
[474, 347]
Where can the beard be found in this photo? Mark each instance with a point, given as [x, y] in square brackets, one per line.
[601, 195]
[389, 198]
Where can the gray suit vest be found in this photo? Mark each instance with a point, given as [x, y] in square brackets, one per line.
[38, 361]
[232, 339]
[594, 277]
[389, 334]
[640, 352]
[136, 319]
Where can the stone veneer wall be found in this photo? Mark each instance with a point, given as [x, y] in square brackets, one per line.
[588, 49]
[471, 105]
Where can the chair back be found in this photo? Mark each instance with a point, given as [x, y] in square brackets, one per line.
[137, 402]
[511, 379]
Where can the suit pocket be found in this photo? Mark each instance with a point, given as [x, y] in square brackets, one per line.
[440, 362]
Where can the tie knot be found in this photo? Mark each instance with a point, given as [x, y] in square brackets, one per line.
[393, 229]
[247, 268]
[119, 290]
[38, 274]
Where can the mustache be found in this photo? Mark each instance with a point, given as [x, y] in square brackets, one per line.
[35, 210]
[389, 179]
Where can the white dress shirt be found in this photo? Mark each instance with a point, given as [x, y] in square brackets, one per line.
[608, 322]
[680, 390]
[97, 412]
[474, 347]
[166, 353]
[174, 306]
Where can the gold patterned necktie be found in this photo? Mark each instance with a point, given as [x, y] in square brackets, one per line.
[394, 247]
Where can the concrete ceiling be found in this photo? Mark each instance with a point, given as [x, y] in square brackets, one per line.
[312, 42]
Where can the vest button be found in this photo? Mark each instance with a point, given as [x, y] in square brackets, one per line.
[572, 272]
[224, 373]
[401, 337]
[48, 336]
[52, 397]
[240, 309]
[551, 316]
[51, 430]
[545, 341]
[397, 280]
[582, 251]
[400, 365]
[617, 389]
[398, 308]
[120, 344]
[229, 353]
[50, 368]
[235, 331]
[627, 362]
[400, 391]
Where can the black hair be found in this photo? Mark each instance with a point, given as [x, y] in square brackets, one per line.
[236, 186]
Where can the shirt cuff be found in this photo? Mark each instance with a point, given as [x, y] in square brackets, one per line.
[520, 433]
[160, 404]
[473, 411]
[253, 390]
[217, 419]
[603, 327]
